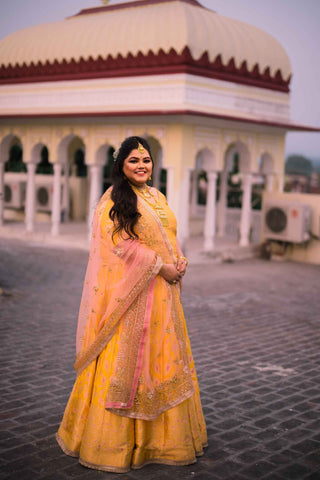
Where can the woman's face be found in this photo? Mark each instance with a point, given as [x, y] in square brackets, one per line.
[137, 167]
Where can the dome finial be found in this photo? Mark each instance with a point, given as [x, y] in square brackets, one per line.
[105, 2]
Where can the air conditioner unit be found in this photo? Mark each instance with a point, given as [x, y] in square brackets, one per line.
[44, 194]
[14, 194]
[286, 221]
[44, 197]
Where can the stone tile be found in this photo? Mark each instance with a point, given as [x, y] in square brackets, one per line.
[260, 424]
[294, 471]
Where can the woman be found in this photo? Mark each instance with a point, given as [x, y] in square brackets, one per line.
[136, 398]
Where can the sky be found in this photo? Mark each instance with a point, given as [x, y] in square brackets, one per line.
[294, 23]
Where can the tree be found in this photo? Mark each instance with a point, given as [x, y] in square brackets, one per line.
[298, 165]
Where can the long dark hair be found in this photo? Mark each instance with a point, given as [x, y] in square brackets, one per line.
[124, 212]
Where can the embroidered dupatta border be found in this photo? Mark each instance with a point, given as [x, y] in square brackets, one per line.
[124, 383]
[157, 219]
[109, 328]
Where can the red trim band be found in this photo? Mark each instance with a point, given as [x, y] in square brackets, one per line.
[149, 64]
[267, 123]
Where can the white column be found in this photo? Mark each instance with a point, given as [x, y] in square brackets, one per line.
[210, 218]
[170, 186]
[194, 192]
[66, 192]
[95, 191]
[222, 205]
[1, 193]
[246, 209]
[30, 197]
[269, 182]
[280, 182]
[183, 218]
[56, 201]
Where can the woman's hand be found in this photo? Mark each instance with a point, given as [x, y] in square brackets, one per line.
[170, 273]
[181, 266]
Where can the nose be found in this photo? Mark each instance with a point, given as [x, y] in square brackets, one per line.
[141, 164]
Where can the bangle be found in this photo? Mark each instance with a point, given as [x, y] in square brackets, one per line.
[185, 260]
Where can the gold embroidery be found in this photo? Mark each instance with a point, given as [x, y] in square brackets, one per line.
[107, 331]
[156, 205]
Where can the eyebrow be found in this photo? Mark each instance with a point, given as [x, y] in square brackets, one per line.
[138, 158]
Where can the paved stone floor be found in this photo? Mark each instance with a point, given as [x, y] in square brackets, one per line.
[254, 328]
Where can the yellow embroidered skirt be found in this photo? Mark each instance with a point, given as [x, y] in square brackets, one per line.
[107, 441]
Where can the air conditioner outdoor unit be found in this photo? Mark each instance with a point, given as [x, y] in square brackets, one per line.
[286, 221]
[44, 194]
[14, 194]
[44, 197]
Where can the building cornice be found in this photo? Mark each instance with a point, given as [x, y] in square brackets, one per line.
[151, 64]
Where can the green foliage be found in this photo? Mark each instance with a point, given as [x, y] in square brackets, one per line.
[298, 165]
[316, 166]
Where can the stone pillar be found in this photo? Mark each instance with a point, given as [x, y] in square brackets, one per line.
[56, 200]
[183, 219]
[30, 197]
[280, 182]
[66, 193]
[269, 182]
[170, 186]
[245, 221]
[194, 192]
[210, 218]
[1, 193]
[222, 205]
[95, 191]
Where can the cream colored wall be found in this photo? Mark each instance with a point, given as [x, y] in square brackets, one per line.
[146, 93]
[309, 253]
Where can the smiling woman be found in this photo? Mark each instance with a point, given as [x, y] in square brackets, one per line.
[136, 398]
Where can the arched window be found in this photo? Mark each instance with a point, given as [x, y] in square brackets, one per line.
[163, 181]
[202, 185]
[234, 184]
[81, 167]
[107, 169]
[44, 166]
[15, 162]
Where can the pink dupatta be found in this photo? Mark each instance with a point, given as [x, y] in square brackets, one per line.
[131, 269]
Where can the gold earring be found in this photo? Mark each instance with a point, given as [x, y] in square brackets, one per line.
[150, 178]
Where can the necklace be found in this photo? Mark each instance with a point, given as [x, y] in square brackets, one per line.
[157, 207]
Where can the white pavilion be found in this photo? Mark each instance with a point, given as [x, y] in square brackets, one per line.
[210, 93]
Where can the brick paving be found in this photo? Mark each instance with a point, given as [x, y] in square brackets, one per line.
[254, 328]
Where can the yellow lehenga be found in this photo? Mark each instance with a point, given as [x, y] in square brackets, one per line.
[136, 398]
